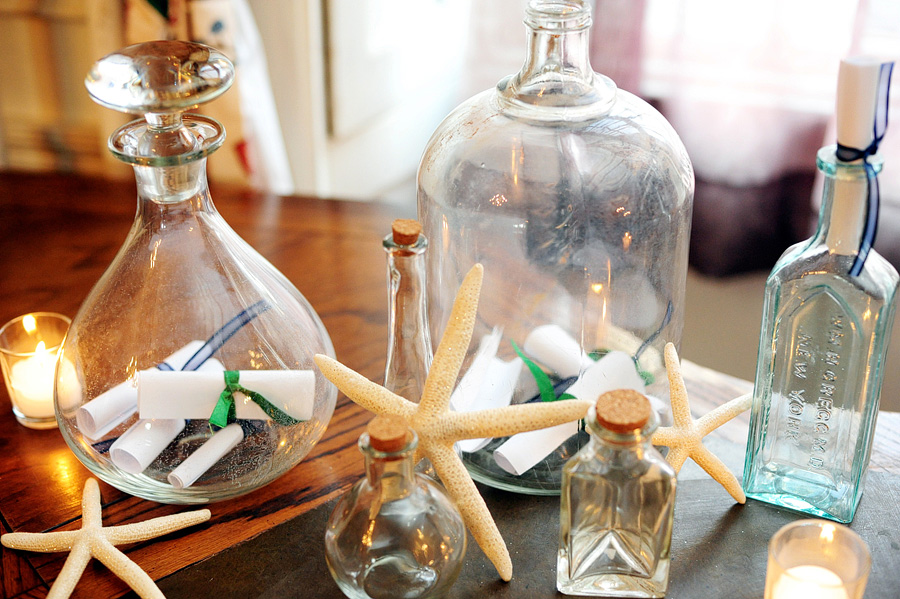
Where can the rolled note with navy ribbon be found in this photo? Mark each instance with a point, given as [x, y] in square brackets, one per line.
[196, 395]
[111, 408]
[862, 117]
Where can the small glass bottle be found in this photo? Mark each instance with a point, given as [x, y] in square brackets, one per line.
[409, 351]
[395, 534]
[824, 337]
[617, 505]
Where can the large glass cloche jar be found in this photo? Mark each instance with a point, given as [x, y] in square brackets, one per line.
[187, 373]
[576, 197]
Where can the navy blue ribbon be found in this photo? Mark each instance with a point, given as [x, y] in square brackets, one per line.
[848, 154]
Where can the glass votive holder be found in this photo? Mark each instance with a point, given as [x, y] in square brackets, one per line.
[29, 346]
[817, 558]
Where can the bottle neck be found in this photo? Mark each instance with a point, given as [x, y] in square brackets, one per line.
[620, 448]
[391, 474]
[409, 351]
[557, 73]
[844, 201]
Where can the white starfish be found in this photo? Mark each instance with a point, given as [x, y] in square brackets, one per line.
[439, 428]
[96, 540]
[685, 437]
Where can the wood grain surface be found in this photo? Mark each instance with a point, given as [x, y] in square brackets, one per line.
[58, 234]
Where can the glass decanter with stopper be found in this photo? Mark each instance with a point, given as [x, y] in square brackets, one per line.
[617, 505]
[193, 356]
[827, 317]
[396, 534]
[576, 197]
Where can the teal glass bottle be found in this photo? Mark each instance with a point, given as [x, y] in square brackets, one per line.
[824, 336]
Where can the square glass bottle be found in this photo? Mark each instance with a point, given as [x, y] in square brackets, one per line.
[617, 505]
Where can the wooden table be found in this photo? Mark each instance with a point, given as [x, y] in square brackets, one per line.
[58, 234]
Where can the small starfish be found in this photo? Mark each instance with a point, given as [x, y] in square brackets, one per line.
[96, 540]
[685, 438]
[439, 428]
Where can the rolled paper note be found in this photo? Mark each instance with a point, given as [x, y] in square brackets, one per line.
[556, 349]
[496, 391]
[186, 394]
[111, 408]
[522, 452]
[143, 442]
[206, 456]
[615, 370]
[466, 393]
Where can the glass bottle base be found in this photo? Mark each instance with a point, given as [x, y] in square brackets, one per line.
[611, 585]
[802, 491]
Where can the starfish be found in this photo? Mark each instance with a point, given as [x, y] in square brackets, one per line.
[685, 438]
[96, 540]
[438, 428]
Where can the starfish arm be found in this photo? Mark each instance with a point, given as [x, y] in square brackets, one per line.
[681, 410]
[720, 472]
[71, 571]
[509, 420]
[666, 435]
[471, 505]
[41, 542]
[126, 569]
[155, 527]
[91, 511]
[452, 349]
[676, 457]
[716, 418]
[364, 392]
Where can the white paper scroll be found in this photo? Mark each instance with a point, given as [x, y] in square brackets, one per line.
[496, 391]
[556, 349]
[143, 442]
[186, 394]
[206, 456]
[465, 396]
[615, 370]
[111, 408]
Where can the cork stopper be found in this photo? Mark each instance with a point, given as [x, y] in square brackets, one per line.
[388, 433]
[622, 410]
[406, 231]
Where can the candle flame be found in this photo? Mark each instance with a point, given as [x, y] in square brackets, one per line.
[29, 323]
[827, 533]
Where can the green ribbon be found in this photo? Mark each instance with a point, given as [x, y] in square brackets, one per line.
[224, 413]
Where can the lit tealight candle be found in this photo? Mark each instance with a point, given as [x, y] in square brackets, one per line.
[29, 346]
[809, 581]
[32, 383]
[817, 559]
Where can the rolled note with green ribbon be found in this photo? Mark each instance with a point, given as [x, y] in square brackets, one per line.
[112, 407]
[285, 396]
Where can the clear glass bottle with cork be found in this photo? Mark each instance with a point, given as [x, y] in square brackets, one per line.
[396, 533]
[617, 505]
[827, 318]
[409, 351]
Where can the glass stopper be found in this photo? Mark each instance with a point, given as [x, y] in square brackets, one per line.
[159, 77]
[160, 80]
